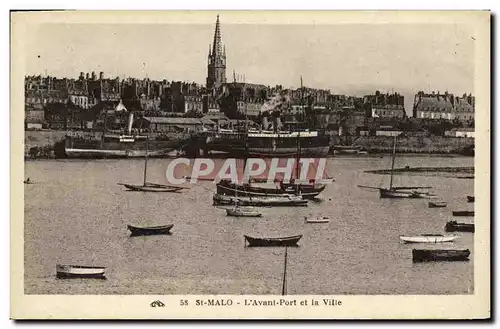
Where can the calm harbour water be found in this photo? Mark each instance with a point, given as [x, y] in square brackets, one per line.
[77, 214]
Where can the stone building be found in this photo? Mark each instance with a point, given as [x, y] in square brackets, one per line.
[446, 106]
[384, 105]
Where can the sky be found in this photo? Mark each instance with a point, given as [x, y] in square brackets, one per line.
[353, 59]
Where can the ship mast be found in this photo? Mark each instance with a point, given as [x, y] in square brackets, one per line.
[283, 287]
[392, 164]
[146, 160]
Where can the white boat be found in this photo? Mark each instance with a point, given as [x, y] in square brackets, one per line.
[428, 238]
[318, 220]
[78, 271]
[243, 212]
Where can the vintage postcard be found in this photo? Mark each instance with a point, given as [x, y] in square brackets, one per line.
[250, 165]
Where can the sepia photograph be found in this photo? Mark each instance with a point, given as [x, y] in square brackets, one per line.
[232, 162]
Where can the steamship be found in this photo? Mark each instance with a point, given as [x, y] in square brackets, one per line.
[117, 145]
[270, 142]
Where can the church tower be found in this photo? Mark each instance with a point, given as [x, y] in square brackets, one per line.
[216, 60]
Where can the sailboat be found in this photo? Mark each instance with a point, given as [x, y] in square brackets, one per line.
[402, 191]
[238, 211]
[151, 187]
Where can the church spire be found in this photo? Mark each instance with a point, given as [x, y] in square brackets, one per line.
[216, 59]
[217, 50]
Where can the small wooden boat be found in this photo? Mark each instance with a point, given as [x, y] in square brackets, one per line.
[317, 220]
[28, 181]
[243, 212]
[471, 198]
[274, 201]
[463, 213]
[454, 226]
[428, 238]
[151, 187]
[437, 204]
[429, 255]
[77, 271]
[149, 230]
[288, 241]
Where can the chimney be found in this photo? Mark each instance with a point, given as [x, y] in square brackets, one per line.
[101, 75]
[82, 76]
[93, 76]
[87, 76]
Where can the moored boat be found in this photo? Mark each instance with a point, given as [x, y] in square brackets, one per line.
[437, 204]
[288, 241]
[274, 201]
[428, 238]
[463, 213]
[322, 219]
[454, 226]
[243, 212]
[78, 271]
[149, 230]
[307, 191]
[429, 255]
[471, 198]
[393, 193]
[149, 187]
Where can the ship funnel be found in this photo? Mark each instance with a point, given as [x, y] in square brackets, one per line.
[130, 121]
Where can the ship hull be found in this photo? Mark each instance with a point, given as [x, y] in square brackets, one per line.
[269, 144]
[116, 148]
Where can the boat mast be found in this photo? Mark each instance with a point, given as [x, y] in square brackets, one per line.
[283, 289]
[392, 164]
[146, 160]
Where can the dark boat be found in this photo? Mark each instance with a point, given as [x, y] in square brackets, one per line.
[454, 226]
[150, 230]
[435, 255]
[307, 191]
[471, 198]
[151, 187]
[289, 241]
[463, 213]
[437, 204]
[80, 272]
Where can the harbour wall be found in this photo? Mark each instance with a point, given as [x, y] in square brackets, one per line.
[414, 144]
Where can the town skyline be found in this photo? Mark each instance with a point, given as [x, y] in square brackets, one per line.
[380, 61]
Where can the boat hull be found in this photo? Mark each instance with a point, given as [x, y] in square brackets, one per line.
[242, 213]
[292, 201]
[437, 205]
[155, 230]
[307, 192]
[273, 242]
[471, 199]
[79, 272]
[436, 255]
[399, 194]
[428, 239]
[464, 213]
[116, 147]
[151, 188]
[453, 226]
